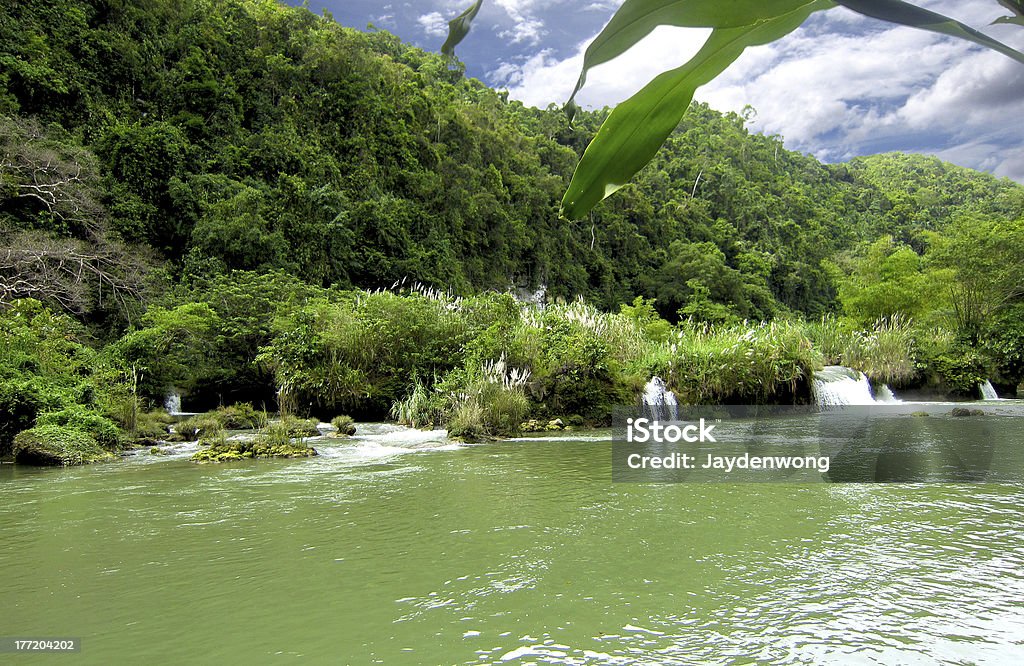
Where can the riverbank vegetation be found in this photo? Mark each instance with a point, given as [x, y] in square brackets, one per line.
[253, 204]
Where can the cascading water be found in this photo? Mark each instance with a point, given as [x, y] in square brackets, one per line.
[658, 402]
[885, 394]
[838, 385]
[172, 403]
[988, 392]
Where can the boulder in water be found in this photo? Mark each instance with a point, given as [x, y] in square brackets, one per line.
[964, 411]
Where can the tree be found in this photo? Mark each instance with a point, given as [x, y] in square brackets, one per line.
[637, 128]
[985, 257]
[46, 178]
[887, 279]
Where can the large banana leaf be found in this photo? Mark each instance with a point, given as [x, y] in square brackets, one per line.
[634, 131]
[636, 128]
[636, 19]
[458, 28]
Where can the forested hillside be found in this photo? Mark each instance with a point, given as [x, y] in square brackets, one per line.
[202, 196]
[185, 139]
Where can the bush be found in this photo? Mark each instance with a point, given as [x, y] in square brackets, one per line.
[420, 408]
[345, 424]
[467, 422]
[708, 364]
[153, 425]
[20, 403]
[491, 403]
[296, 427]
[961, 370]
[885, 353]
[240, 416]
[276, 440]
[81, 418]
[57, 445]
[200, 426]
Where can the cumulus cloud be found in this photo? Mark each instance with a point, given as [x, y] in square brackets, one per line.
[543, 79]
[526, 27]
[866, 87]
[433, 24]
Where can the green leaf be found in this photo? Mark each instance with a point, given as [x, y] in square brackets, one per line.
[458, 28]
[1015, 6]
[636, 128]
[635, 19]
[902, 13]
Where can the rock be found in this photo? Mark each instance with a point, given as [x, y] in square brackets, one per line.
[963, 411]
[555, 424]
[262, 446]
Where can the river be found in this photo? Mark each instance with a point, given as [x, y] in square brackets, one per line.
[402, 548]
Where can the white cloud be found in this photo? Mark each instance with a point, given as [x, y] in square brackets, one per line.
[866, 87]
[525, 30]
[433, 24]
[526, 27]
[542, 79]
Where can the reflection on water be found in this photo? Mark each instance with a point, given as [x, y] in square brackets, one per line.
[402, 547]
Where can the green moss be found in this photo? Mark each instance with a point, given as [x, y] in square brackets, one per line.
[57, 445]
[274, 441]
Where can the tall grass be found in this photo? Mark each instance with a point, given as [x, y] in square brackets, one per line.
[472, 402]
[704, 363]
[884, 352]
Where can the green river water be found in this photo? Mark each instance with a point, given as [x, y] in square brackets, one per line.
[401, 548]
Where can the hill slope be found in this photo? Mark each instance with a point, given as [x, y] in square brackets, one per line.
[211, 135]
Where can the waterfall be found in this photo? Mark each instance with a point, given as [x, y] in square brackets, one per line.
[172, 403]
[837, 385]
[988, 392]
[658, 402]
[886, 395]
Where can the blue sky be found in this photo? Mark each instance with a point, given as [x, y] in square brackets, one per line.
[840, 86]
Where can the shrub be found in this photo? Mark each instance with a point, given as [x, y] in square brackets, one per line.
[707, 364]
[153, 425]
[345, 424]
[240, 416]
[467, 422]
[491, 401]
[54, 444]
[276, 440]
[885, 353]
[81, 418]
[200, 426]
[420, 408]
[961, 370]
[20, 403]
[296, 427]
